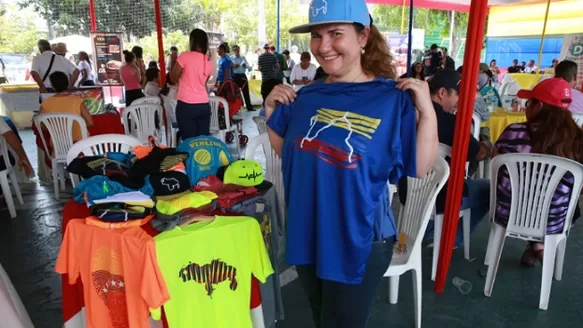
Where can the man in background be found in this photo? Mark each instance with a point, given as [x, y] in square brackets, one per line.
[48, 62]
[171, 59]
[240, 67]
[281, 61]
[514, 68]
[269, 67]
[448, 62]
[530, 68]
[432, 61]
[567, 70]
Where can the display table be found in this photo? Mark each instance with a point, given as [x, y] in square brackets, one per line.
[19, 101]
[525, 80]
[499, 121]
[262, 315]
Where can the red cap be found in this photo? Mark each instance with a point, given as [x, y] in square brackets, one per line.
[555, 92]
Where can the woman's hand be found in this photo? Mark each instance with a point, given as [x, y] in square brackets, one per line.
[281, 94]
[25, 165]
[421, 95]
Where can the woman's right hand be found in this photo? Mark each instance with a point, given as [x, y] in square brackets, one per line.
[281, 94]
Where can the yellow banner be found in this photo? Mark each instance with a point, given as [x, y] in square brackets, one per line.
[565, 17]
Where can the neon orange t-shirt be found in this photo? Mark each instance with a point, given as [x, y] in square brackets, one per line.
[119, 271]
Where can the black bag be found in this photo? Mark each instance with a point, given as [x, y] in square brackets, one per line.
[40, 99]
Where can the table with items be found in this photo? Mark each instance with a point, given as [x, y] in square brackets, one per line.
[500, 120]
[186, 235]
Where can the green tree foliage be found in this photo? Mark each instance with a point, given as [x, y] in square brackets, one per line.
[18, 31]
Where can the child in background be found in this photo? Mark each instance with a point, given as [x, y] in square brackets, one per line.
[152, 88]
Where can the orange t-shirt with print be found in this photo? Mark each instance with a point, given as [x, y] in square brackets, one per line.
[119, 270]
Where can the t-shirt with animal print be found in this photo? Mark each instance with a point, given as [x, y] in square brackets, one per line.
[208, 266]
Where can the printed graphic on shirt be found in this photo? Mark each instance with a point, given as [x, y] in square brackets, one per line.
[319, 6]
[107, 270]
[210, 275]
[266, 232]
[202, 156]
[356, 125]
[170, 183]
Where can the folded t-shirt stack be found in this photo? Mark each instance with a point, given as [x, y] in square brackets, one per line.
[123, 207]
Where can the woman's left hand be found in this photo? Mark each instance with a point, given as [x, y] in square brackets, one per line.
[421, 95]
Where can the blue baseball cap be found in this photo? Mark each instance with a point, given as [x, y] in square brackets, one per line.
[334, 12]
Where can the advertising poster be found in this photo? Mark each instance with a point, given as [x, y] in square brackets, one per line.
[107, 56]
[572, 49]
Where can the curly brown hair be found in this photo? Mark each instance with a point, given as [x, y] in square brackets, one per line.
[376, 59]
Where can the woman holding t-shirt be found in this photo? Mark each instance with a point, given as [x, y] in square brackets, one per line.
[341, 139]
[192, 71]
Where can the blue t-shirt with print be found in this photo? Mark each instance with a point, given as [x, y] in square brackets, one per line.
[224, 65]
[342, 143]
[206, 155]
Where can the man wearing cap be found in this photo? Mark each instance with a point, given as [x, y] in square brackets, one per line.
[269, 67]
[567, 70]
[444, 88]
[48, 62]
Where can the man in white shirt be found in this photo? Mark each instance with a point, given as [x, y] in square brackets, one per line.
[567, 70]
[530, 68]
[240, 67]
[14, 143]
[304, 73]
[42, 67]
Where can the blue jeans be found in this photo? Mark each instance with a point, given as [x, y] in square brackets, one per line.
[338, 305]
[478, 200]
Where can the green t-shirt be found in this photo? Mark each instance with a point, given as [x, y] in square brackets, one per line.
[207, 267]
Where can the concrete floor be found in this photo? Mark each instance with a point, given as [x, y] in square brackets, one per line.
[29, 246]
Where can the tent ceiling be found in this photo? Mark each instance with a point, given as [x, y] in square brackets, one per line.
[457, 5]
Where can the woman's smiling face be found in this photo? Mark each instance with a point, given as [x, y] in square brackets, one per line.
[337, 47]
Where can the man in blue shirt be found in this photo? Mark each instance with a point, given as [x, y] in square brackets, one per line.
[225, 71]
[240, 68]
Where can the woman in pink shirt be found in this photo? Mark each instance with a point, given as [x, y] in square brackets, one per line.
[131, 78]
[192, 71]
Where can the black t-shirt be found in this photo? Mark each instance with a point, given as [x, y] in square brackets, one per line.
[513, 69]
[432, 62]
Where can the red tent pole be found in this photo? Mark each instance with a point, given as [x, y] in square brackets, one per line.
[92, 16]
[455, 186]
[160, 42]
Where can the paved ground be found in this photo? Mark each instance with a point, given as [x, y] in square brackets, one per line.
[29, 245]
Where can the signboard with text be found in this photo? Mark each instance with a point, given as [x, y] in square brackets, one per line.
[107, 56]
[572, 49]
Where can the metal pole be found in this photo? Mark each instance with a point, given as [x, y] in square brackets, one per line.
[92, 16]
[542, 39]
[455, 186]
[410, 40]
[160, 35]
[451, 32]
[277, 8]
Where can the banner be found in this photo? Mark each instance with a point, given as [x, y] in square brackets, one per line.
[572, 49]
[107, 55]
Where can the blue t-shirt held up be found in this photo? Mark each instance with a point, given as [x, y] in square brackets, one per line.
[342, 143]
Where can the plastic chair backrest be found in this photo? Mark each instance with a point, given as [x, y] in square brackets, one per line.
[147, 100]
[533, 182]
[60, 128]
[578, 118]
[421, 195]
[261, 123]
[444, 152]
[170, 109]
[272, 161]
[140, 120]
[215, 103]
[476, 121]
[101, 144]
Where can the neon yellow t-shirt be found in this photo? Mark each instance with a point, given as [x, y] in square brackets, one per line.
[207, 267]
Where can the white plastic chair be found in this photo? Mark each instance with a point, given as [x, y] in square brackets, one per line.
[60, 128]
[171, 131]
[412, 220]
[445, 151]
[508, 91]
[578, 118]
[101, 144]
[215, 130]
[273, 171]
[140, 120]
[261, 123]
[533, 180]
[9, 173]
[147, 100]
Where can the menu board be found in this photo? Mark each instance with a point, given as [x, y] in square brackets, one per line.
[107, 54]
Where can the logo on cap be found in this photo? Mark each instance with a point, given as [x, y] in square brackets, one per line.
[319, 6]
[567, 92]
[170, 183]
